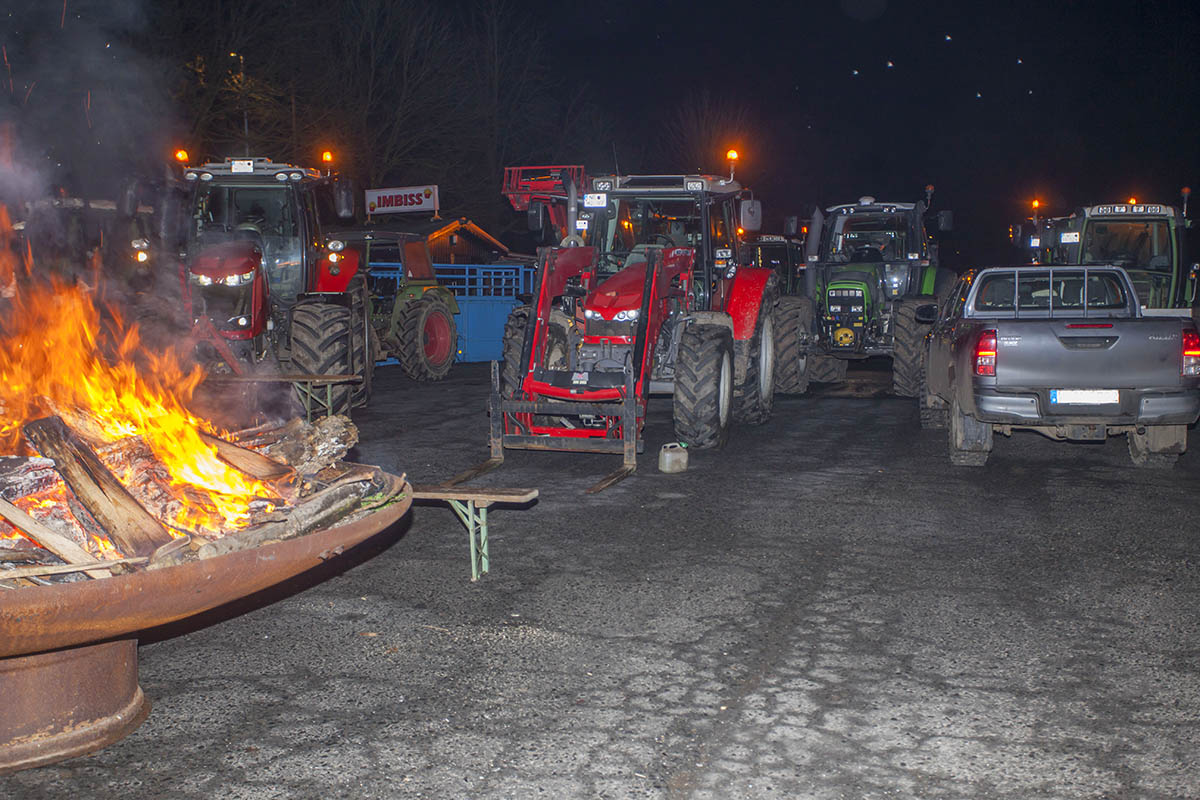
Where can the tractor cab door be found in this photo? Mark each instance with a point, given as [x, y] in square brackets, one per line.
[720, 252]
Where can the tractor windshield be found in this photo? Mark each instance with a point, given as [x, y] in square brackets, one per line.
[265, 214]
[867, 237]
[630, 224]
[1141, 244]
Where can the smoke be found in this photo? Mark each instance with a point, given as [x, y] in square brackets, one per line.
[85, 108]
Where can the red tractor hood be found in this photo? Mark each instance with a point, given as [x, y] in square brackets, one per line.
[227, 258]
[621, 292]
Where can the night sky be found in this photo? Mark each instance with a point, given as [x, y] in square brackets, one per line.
[1072, 103]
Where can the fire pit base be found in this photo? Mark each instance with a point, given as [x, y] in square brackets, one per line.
[68, 702]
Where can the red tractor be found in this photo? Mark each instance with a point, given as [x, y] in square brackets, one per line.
[644, 295]
[266, 278]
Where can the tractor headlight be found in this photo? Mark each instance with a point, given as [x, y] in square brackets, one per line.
[238, 280]
[626, 316]
[202, 280]
[590, 314]
[336, 245]
[142, 256]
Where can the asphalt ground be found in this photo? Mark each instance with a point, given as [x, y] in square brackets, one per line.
[824, 609]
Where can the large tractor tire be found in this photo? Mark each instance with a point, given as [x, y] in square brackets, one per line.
[908, 345]
[755, 398]
[321, 346]
[970, 440]
[512, 371]
[366, 342]
[704, 386]
[793, 317]
[428, 338]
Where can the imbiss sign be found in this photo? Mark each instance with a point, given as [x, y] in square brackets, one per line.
[402, 199]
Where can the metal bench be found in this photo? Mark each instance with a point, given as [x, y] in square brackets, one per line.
[471, 506]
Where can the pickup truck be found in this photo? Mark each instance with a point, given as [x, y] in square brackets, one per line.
[1064, 351]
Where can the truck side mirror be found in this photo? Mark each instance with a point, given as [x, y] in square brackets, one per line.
[751, 215]
[945, 221]
[343, 198]
[535, 217]
[926, 314]
[791, 225]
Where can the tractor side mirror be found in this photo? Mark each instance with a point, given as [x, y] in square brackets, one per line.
[343, 198]
[791, 225]
[945, 221]
[926, 314]
[535, 217]
[751, 215]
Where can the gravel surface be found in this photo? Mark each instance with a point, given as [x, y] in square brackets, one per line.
[825, 609]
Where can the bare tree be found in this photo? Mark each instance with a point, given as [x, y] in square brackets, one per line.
[698, 132]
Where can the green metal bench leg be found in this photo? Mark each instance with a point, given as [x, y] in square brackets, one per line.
[475, 518]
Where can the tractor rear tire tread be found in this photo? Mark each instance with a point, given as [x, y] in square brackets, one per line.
[512, 371]
[908, 337]
[705, 351]
[752, 404]
[320, 345]
[793, 316]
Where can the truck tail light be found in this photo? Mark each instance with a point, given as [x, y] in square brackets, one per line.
[985, 353]
[1191, 353]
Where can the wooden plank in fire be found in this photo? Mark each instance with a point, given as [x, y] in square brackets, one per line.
[56, 543]
[251, 462]
[134, 531]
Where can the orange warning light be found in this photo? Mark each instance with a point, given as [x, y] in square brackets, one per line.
[181, 156]
[327, 156]
[732, 155]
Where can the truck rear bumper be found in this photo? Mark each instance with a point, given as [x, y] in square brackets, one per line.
[1032, 408]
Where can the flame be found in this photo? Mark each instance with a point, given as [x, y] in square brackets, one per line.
[57, 357]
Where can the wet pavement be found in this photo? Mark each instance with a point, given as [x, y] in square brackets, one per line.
[825, 609]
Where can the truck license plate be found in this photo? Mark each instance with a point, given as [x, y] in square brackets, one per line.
[1085, 397]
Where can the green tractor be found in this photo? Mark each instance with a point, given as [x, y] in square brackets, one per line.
[869, 266]
[1148, 239]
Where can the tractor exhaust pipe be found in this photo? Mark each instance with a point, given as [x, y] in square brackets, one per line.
[571, 238]
[812, 246]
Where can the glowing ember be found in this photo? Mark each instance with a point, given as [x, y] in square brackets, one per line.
[56, 357]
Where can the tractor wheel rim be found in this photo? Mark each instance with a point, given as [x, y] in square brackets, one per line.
[436, 336]
[766, 358]
[725, 390]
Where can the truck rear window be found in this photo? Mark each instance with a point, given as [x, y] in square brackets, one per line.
[1059, 289]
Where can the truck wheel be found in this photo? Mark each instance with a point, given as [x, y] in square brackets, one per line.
[793, 316]
[754, 399]
[366, 344]
[512, 371]
[321, 346]
[1159, 447]
[428, 338]
[908, 337]
[932, 408]
[704, 386]
[970, 439]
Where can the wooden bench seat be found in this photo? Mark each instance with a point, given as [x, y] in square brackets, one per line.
[471, 505]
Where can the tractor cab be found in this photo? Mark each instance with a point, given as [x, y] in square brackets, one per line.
[1146, 239]
[254, 244]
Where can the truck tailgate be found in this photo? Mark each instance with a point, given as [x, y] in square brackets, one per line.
[1088, 354]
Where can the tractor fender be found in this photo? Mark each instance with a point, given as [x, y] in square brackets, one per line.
[746, 298]
[335, 276]
[719, 318]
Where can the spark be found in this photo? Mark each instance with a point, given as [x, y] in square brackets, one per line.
[29, 92]
[890, 64]
[1020, 61]
[978, 94]
[853, 72]
[948, 39]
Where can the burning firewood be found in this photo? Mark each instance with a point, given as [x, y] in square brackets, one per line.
[61, 546]
[129, 525]
[310, 447]
[21, 477]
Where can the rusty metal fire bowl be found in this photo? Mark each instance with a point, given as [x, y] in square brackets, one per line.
[68, 653]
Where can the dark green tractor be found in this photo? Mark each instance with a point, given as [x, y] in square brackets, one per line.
[869, 266]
